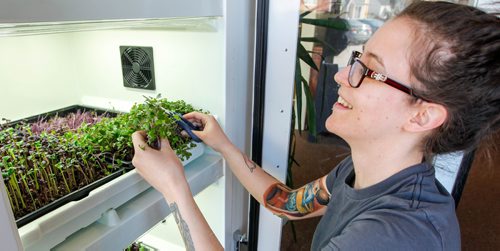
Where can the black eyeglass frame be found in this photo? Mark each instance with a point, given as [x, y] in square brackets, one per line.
[367, 72]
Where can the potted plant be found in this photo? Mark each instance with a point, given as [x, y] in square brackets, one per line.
[332, 44]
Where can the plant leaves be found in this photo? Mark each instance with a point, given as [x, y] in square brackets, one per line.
[323, 96]
[305, 13]
[317, 40]
[72, 151]
[311, 111]
[304, 55]
[310, 39]
[298, 93]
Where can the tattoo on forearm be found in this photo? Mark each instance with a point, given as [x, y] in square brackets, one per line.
[250, 164]
[183, 227]
[283, 201]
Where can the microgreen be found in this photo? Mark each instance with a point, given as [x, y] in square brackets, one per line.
[51, 157]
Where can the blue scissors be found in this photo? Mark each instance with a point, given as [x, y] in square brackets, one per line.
[185, 124]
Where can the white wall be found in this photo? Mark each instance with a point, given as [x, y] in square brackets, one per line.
[39, 73]
[188, 65]
[36, 75]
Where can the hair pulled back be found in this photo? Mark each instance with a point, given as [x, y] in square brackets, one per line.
[455, 56]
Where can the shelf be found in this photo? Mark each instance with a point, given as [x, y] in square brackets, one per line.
[140, 213]
[166, 235]
[129, 196]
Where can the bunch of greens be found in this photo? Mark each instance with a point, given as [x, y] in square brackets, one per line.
[151, 117]
[70, 122]
[45, 160]
[112, 136]
[139, 246]
[42, 162]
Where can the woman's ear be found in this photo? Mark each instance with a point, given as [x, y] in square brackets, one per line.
[427, 117]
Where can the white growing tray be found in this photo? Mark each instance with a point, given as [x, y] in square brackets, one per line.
[54, 227]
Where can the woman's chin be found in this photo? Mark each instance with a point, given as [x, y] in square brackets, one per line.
[330, 124]
[335, 127]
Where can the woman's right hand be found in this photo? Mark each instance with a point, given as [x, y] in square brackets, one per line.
[211, 133]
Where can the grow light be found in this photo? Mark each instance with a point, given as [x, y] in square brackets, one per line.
[191, 24]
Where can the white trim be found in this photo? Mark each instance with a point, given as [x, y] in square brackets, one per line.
[283, 22]
[8, 232]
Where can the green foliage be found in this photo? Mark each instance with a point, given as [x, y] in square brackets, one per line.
[301, 84]
[139, 246]
[40, 167]
[152, 119]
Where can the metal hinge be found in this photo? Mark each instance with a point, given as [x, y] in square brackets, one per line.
[241, 241]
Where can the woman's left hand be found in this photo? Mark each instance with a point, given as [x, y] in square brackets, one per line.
[161, 168]
[164, 171]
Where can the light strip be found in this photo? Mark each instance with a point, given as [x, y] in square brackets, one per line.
[23, 29]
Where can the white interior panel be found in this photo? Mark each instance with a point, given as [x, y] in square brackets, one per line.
[37, 75]
[47, 72]
[205, 61]
[184, 68]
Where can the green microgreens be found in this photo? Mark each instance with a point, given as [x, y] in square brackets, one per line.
[45, 160]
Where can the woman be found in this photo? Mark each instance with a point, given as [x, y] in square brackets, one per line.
[427, 83]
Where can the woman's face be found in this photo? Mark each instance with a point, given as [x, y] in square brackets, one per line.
[376, 110]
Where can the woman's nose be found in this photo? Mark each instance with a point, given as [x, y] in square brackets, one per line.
[342, 76]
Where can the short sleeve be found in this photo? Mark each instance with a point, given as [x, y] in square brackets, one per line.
[340, 169]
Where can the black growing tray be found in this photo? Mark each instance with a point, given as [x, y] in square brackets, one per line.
[63, 112]
[73, 196]
[82, 192]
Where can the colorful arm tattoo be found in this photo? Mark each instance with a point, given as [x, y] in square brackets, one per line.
[183, 227]
[283, 201]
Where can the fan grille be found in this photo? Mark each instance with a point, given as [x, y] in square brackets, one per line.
[137, 67]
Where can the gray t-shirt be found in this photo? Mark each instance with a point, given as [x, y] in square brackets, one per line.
[408, 211]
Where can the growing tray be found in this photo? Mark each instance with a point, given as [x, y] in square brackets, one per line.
[63, 112]
[102, 220]
[58, 218]
[73, 196]
[82, 192]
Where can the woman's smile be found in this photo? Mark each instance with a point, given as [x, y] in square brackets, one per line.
[343, 103]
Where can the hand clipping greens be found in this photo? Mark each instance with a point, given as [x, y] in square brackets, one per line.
[47, 159]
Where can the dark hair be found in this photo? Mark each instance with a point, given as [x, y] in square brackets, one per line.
[456, 58]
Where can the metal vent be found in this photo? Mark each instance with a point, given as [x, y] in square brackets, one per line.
[138, 67]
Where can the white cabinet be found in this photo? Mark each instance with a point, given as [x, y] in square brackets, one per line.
[203, 54]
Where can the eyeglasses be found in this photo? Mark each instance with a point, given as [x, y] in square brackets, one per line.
[359, 71]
